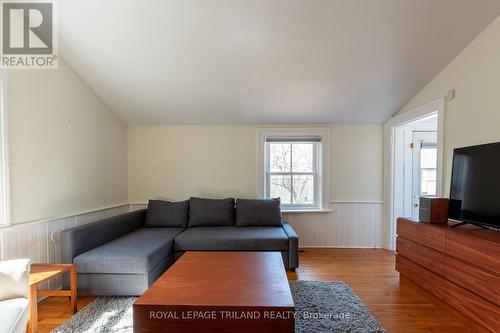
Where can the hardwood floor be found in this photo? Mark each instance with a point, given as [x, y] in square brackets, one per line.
[399, 305]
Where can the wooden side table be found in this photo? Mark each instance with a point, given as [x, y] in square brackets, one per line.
[40, 273]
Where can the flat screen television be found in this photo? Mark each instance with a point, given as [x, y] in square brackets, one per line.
[475, 185]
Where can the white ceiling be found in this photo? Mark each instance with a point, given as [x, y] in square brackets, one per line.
[264, 61]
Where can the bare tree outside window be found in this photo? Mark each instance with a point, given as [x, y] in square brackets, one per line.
[292, 172]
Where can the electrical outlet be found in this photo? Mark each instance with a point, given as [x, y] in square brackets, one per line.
[450, 95]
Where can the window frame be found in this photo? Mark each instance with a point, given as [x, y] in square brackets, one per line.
[322, 165]
[317, 147]
[5, 214]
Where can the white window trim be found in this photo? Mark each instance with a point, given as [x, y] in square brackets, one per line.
[316, 173]
[325, 159]
[5, 217]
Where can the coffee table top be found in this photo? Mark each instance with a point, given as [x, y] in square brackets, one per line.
[42, 272]
[240, 279]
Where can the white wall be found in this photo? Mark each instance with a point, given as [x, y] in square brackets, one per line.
[357, 163]
[175, 162]
[67, 149]
[474, 116]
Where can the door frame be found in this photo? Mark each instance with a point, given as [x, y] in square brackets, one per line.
[435, 107]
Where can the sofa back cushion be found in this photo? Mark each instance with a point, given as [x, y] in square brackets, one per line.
[167, 214]
[211, 212]
[254, 213]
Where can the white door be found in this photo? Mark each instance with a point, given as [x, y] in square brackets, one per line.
[424, 173]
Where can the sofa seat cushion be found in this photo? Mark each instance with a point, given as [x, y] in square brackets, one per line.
[136, 253]
[232, 239]
[14, 314]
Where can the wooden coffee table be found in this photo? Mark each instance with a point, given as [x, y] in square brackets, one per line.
[40, 273]
[219, 292]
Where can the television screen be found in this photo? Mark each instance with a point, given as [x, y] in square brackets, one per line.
[475, 185]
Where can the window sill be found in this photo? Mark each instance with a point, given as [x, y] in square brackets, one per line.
[299, 211]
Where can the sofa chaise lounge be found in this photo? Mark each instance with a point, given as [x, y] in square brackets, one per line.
[125, 254]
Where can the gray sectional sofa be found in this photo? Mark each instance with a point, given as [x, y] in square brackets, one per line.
[125, 254]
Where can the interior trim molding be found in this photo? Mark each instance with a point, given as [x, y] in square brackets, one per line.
[438, 107]
[358, 201]
[5, 209]
[324, 132]
[48, 219]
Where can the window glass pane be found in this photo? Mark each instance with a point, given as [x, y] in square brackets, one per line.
[302, 157]
[428, 182]
[279, 157]
[428, 158]
[303, 189]
[428, 165]
[280, 187]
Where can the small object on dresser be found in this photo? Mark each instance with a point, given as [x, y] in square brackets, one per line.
[433, 210]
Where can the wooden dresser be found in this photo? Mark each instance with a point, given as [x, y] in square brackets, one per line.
[459, 266]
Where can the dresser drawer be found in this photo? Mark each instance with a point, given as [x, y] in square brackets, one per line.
[475, 307]
[425, 279]
[422, 255]
[479, 282]
[424, 234]
[479, 252]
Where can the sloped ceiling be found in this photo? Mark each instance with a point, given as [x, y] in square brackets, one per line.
[264, 61]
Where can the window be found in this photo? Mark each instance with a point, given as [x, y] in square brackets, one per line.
[292, 171]
[4, 174]
[428, 169]
[292, 164]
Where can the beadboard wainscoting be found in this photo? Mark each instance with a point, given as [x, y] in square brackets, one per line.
[39, 240]
[344, 224]
[349, 224]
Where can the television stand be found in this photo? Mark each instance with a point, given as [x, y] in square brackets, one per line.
[459, 266]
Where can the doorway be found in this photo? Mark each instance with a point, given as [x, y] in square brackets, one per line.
[412, 163]
[415, 167]
[424, 183]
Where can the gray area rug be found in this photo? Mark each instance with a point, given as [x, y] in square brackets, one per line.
[330, 307]
[320, 307]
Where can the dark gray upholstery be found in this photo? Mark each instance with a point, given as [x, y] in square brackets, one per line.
[210, 212]
[119, 256]
[121, 284]
[293, 246]
[77, 240]
[136, 253]
[232, 239]
[258, 213]
[167, 214]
